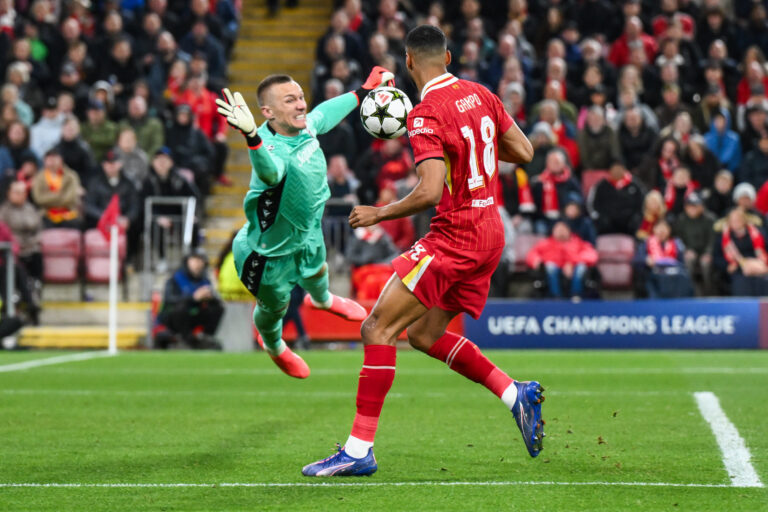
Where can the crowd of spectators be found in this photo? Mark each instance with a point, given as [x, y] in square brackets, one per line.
[666, 99]
[103, 98]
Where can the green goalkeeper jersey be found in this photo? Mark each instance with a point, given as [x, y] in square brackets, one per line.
[289, 183]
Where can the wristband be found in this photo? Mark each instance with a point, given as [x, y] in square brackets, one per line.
[361, 93]
[253, 141]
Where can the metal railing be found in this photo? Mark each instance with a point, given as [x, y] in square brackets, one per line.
[168, 243]
[10, 278]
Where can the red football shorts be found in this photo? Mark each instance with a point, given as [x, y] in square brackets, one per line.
[444, 277]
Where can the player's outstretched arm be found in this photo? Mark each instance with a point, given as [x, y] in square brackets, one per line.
[426, 194]
[234, 108]
[514, 146]
[329, 113]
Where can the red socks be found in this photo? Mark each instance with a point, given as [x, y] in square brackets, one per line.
[375, 380]
[463, 356]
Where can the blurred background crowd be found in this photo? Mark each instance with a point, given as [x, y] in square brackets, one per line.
[649, 121]
[104, 98]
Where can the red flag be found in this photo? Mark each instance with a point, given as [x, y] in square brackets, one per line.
[109, 217]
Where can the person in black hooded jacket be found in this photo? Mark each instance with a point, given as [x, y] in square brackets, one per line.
[190, 147]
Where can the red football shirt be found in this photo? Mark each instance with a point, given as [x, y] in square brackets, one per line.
[460, 122]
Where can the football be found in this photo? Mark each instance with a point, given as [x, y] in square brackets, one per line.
[384, 112]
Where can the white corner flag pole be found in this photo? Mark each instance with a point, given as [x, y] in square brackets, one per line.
[113, 235]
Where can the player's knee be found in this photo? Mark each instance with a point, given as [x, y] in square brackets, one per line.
[321, 272]
[373, 332]
[420, 340]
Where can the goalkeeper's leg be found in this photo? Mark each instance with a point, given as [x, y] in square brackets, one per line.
[314, 279]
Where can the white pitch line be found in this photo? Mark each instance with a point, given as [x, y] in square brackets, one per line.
[404, 370]
[357, 484]
[34, 363]
[736, 456]
[317, 394]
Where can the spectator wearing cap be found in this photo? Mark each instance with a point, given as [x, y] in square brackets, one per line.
[598, 145]
[135, 162]
[72, 82]
[551, 190]
[56, 190]
[203, 104]
[723, 142]
[744, 197]
[75, 151]
[99, 132]
[636, 139]
[694, 228]
[25, 223]
[149, 130]
[107, 182]
[754, 168]
[190, 147]
[616, 202]
[46, 132]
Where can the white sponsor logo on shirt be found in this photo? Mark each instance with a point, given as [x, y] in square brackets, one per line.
[418, 122]
[482, 203]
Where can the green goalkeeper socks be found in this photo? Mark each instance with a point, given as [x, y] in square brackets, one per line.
[317, 287]
[270, 326]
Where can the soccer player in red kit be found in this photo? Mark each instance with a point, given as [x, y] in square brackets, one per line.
[458, 132]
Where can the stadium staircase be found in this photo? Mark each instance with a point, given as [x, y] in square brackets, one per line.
[285, 44]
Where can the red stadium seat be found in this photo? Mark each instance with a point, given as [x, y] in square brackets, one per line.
[523, 244]
[615, 254]
[61, 250]
[97, 256]
[589, 178]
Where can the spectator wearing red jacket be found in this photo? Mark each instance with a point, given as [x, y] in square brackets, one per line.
[633, 34]
[565, 257]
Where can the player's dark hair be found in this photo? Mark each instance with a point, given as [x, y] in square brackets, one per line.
[268, 82]
[426, 40]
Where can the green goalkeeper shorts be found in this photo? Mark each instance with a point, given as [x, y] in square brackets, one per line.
[271, 279]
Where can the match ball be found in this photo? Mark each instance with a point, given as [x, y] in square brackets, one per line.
[384, 112]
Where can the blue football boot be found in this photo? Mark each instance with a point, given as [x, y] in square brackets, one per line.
[527, 412]
[341, 464]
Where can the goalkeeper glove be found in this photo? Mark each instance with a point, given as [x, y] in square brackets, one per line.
[239, 116]
[379, 76]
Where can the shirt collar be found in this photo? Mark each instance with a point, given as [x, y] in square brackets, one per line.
[437, 83]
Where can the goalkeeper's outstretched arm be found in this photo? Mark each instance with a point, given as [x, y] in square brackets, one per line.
[329, 113]
[239, 116]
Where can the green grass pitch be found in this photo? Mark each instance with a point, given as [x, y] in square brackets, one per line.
[210, 419]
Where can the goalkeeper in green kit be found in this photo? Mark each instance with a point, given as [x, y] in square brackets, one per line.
[281, 244]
